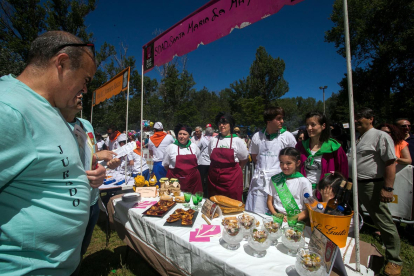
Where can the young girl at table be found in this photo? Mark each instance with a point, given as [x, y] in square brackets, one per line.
[329, 186]
[286, 190]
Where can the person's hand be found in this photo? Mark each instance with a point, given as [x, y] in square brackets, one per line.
[114, 163]
[386, 197]
[96, 176]
[326, 193]
[105, 155]
[284, 218]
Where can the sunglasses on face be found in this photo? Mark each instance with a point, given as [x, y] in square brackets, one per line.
[91, 45]
[405, 126]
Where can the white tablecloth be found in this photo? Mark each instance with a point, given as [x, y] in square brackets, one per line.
[209, 258]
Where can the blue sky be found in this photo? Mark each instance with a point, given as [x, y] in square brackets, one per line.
[295, 34]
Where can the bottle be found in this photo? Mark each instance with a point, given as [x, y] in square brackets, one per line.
[338, 212]
[319, 208]
[313, 202]
[334, 202]
[345, 201]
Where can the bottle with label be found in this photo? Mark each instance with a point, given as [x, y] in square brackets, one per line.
[338, 212]
[334, 202]
[345, 202]
[313, 202]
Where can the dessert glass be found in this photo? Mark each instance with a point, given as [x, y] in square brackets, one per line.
[247, 222]
[293, 240]
[274, 230]
[232, 234]
[258, 241]
[309, 263]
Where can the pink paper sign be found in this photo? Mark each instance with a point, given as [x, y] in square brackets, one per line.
[194, 238]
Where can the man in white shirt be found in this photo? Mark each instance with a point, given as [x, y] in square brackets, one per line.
[156, 146]
[197, 135]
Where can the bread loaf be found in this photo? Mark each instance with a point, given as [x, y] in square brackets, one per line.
[179, 199]
[166, 197]
[226, 201]
[227, 210]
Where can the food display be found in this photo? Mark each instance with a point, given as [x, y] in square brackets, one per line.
[186, 217]
[292, 239]
[228, 205]
[232, 233]
[160, 208]
[140, 181]
[179, 199]
[273, 228]
[258, 241]
[309, 263]
[169, 187]
[259, 235]
[246, 221]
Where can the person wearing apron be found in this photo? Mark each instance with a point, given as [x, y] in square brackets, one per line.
[180, 161]
[265, 148]
[228, 154]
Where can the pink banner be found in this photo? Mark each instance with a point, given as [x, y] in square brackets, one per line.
[214, 20]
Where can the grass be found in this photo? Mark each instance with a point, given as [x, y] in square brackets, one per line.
[113, 260]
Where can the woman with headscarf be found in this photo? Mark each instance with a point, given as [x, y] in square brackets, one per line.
[228, 155]
[180, 161]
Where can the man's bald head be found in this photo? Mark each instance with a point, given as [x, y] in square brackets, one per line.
[51, 43]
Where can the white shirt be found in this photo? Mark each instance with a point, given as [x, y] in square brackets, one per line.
[158, 153]
[172, 152]
[195, 140]
[313, 172]
[137, 162]
[112, 145]
[204, 158]
[297, 187]
[240, 150]
[100, 144]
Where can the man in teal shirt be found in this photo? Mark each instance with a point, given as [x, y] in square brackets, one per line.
[44, 190]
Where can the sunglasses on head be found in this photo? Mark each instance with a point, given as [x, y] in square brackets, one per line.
[91, 45]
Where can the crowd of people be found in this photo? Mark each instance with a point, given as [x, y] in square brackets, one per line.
[49, 189]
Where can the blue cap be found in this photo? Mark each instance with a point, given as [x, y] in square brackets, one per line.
[306, 195]
[340, 208]
[319, 206]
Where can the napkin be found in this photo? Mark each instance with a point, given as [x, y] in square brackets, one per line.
[194, 238]
[144, 204]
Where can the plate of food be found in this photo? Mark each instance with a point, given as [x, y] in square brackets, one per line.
[159, 209]
[182, 218]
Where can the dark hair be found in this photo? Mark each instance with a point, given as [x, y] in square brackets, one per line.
[289, 151]
[113, 127]
[333, 179]
[46, 46]
[300, 131]
[326, 133]
[179, 127]
[396, 134]
[365, 112]
[225, 118]
[401, 119]
[272, 112]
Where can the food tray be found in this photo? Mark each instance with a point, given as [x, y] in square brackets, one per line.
[159, 215]
[178, 222]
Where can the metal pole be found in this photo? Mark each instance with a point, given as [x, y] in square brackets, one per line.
[91, 111]
[353, 144]
[324, 101]
[126, 127]
[142, 107]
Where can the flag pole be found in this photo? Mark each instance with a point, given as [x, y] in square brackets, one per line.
[353, 144]
[142, 107]
[126, 128]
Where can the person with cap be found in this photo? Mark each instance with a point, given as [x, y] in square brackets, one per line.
[180, 160]
[265, 148]
[228, 155]
[157, 145]
[197, 135]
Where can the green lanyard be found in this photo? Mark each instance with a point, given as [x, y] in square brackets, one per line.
[286, 197]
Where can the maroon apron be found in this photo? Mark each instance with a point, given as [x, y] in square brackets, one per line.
[186, 171]
[225, 176]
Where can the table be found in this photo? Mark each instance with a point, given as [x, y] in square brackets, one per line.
[169, 251]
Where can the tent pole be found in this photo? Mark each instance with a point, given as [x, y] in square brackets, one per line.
[91, 111]
[142, 107]
[126, 128]
[353, 144]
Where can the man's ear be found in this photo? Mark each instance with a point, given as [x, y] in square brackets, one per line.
[62, 61]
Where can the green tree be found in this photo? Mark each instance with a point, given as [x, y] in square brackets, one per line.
[382, 40]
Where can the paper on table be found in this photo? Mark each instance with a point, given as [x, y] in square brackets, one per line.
[208, 230]
[85, 147]
[125, 149]
[194, 238]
